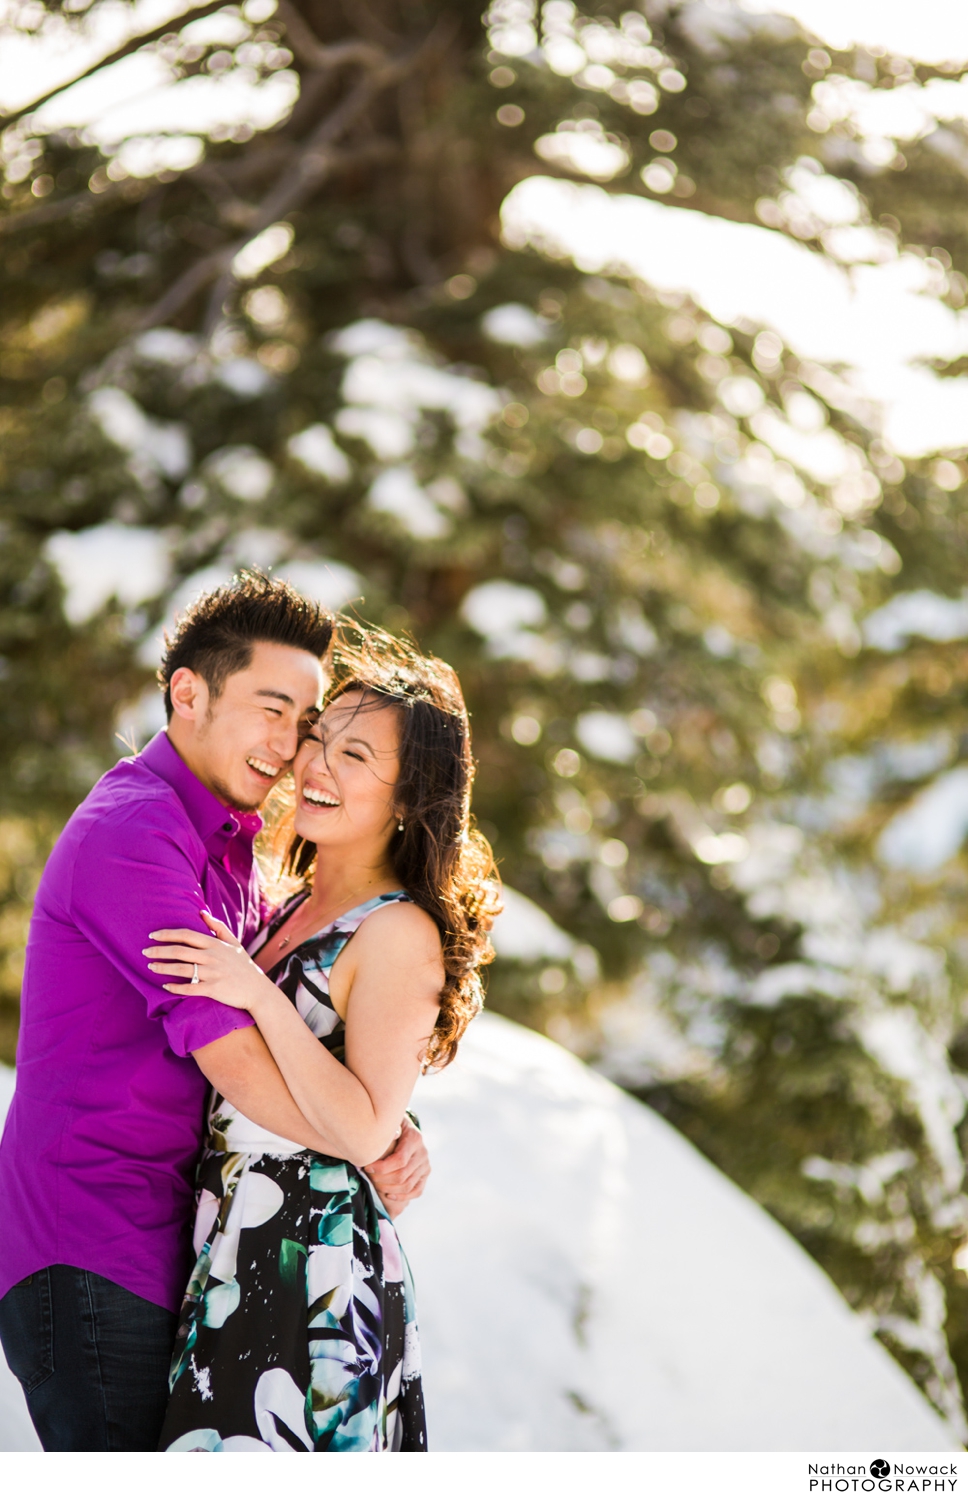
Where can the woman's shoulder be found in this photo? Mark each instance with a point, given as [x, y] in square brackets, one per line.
[396, 927]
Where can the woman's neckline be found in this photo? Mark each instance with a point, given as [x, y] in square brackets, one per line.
[287, 910]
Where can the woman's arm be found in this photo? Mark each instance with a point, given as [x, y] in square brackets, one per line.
[241, 1068]
[388, 982]
[391, 976]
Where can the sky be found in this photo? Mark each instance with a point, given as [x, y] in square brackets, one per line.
[874, 313]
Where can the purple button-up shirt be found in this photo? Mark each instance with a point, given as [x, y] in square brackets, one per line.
[99, 1149]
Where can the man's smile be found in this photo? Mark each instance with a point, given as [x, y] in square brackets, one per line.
[263, 767]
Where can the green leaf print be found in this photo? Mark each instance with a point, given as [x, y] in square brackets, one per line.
[291, 1267]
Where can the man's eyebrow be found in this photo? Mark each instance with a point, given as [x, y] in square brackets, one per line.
[274, 693]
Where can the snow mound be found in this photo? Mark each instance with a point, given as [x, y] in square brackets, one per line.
[587, 1281]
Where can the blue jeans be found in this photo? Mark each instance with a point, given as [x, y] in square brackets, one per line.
[92, 1359]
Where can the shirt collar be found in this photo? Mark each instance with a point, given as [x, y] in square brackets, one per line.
[212, 820]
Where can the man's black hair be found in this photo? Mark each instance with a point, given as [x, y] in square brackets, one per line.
[216, 634]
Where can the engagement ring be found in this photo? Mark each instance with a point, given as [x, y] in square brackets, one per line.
[194, 973]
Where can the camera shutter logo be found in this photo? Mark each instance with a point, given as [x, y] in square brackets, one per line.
[880, 1468]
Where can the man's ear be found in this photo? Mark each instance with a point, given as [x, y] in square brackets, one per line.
[189, 695]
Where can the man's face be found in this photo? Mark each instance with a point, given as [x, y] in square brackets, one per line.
[242, 742]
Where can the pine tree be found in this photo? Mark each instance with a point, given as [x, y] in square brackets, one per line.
[311, 342]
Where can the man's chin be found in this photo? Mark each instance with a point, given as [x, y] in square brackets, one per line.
[247, 801]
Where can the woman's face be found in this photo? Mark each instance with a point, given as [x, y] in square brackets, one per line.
[346, 773]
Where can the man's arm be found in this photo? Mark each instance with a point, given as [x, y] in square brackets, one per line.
[132, 872]
[132, 876]
[402, 1175]
[241, 1068]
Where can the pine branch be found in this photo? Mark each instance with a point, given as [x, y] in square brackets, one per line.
[358, 14]
[310, 51]
[143, 39]
[218, 262]
[316, 161]
[49, 213]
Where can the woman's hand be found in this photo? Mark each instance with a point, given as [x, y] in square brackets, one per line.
[225, 971]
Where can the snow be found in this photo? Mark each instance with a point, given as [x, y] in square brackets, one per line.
[315, 449]
[897, 1039]
[137, 721]
[263, 251]
[931, 828]
[918, 613]
[513, 323]
[499, 607]
[526, 933]
[630, 628]
[130, 563]
[884, 322]
[391, 375]
[167, 346]
[587, 151]
[587, 1281]
[245, 378]
[163, 447]
[137, 98]
[331, 584]
[387, 433]
[372, 336]
[779, 981]
[397, 493]
[607, 736]
[503, 613]
[242, 471]
[932, 31]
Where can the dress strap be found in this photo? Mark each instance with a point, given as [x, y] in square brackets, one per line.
[333, 939]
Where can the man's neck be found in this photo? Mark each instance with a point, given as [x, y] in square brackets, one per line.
[183, 747]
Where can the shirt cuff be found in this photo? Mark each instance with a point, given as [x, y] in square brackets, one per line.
[195, 1023]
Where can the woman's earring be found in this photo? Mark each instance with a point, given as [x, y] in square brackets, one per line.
[400, 827]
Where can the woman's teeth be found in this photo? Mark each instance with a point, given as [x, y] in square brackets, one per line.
[319, 799]
[262, 766]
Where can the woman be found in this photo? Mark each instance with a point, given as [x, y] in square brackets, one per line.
[298, 1329]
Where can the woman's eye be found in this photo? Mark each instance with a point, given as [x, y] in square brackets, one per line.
[352, 755]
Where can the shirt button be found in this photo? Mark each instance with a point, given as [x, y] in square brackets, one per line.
[228, 827]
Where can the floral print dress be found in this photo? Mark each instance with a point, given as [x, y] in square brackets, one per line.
[298, 1331]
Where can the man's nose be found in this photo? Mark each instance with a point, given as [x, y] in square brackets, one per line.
[284, 741]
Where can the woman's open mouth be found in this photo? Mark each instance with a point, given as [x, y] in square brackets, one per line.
[314, 798]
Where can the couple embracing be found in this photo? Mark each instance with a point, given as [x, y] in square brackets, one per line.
[158, 978]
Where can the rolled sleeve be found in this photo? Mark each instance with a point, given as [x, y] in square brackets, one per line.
[134, 875]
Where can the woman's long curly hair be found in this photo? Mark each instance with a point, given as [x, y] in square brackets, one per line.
[442, 861]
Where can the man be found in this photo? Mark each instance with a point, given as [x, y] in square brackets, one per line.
[98, 1154]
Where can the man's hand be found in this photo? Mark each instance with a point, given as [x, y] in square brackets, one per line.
[401, 1176]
